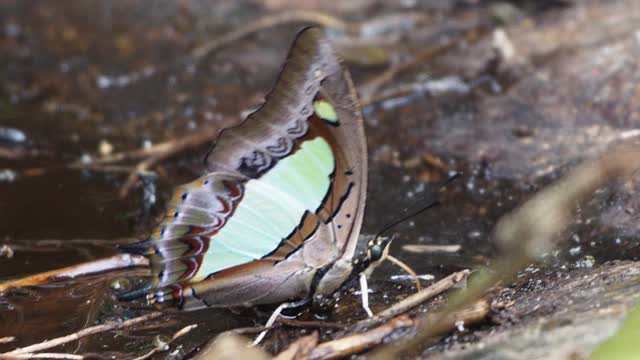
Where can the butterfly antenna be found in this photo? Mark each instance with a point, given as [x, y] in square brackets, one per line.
[410, 211]
[417, 207]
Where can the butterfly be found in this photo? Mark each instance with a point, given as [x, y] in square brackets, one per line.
[278, 215]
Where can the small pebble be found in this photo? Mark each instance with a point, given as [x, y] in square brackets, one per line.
[104, 82]
[7, 176]
[105, 148]
[147, 144]
[149, 190]
[586, 262]
[12, 136]
[6, 251]
[575, 251]
[120, 284]
[86, 159]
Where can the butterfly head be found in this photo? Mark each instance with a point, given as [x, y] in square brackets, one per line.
[378, 250]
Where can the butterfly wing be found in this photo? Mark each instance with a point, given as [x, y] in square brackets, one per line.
[284, 197]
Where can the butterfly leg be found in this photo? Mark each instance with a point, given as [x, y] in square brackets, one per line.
[364, 290]
[274, 316]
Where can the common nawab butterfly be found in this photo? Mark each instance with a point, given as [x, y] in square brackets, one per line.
[278, 216]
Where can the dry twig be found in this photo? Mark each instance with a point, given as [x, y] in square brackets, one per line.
[72, 242]
[172, 148]
[371, 87]
[165, 347]
[416, 299]
[108, 326]
[250, 330]
[269, 21]
[300, 349]
[151, 157]
[431, 249]
[228, 346]
[369, 90]
[116, 262]
[7, 339]
[354, 344]
[357, 343]
[62, 356]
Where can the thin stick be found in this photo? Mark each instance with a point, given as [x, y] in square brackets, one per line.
[406, 269]
[270, 322]
[152, 157]
[72, 242]
[105, 168]
[165, 347]
[251, 329]
[352, 344]
[173, 148]
[43, 356]
[431, 249]
[108, 326]
[371, 87]
[228, 346]
[416, 299]
[116, 262]
[137, 153]
[102, 164]
[425, 294]
[288, 322]
[269, 21]
[253, 26]
[300, 349]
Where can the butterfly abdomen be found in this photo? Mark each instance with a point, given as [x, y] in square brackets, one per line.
[169, 296]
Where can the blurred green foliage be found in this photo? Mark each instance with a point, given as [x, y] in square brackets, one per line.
[623, 345]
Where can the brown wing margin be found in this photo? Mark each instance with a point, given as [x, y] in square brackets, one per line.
[265, 135]
[251, 148]
[351, 150]
[312, 69]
